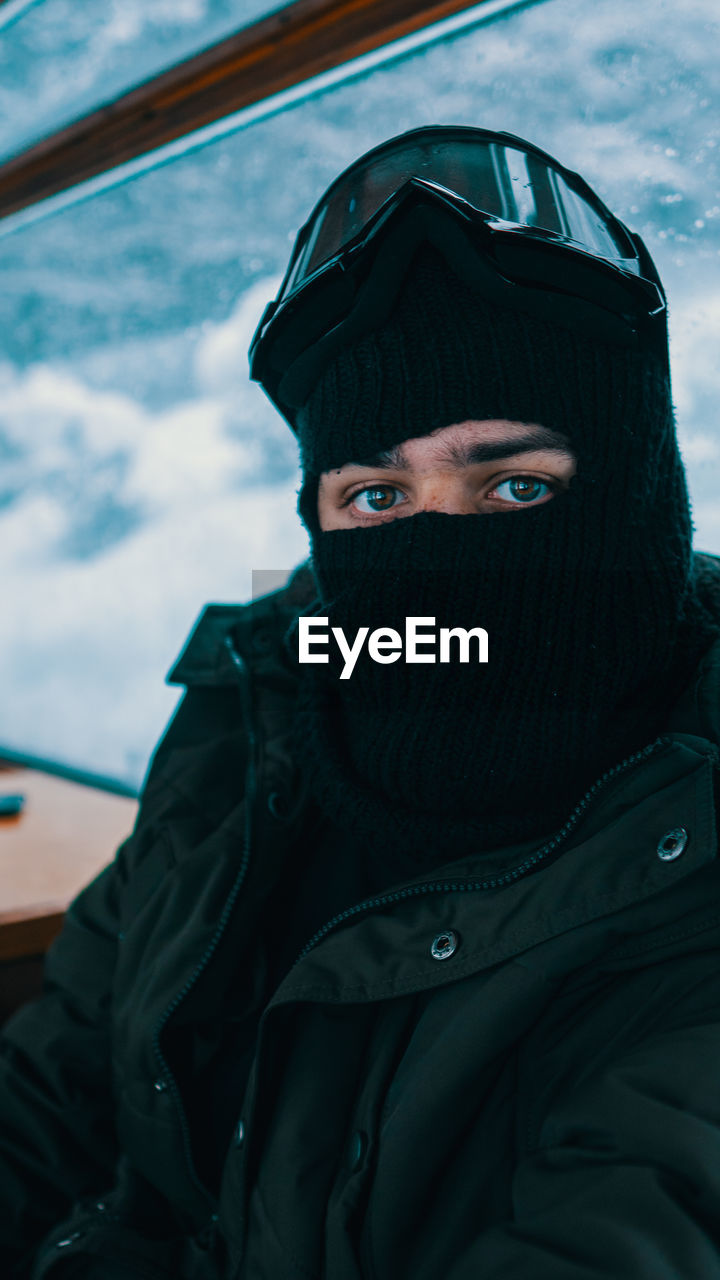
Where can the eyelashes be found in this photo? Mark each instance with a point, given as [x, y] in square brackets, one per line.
[376, 493]
[520, 489]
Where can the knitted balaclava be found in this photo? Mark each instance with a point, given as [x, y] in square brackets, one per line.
[588, 600]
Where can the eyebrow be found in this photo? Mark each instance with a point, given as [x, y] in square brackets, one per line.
[534, 440]
[487, 451]
[390, 459]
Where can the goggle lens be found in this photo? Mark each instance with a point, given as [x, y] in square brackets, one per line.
[503, 182]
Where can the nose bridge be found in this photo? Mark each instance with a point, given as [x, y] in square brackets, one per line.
[443, 490]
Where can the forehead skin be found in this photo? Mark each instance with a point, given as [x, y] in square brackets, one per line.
[465, 444]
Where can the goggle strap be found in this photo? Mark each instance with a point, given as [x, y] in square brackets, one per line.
[368, 306]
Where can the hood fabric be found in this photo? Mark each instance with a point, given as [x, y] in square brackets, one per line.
[592, 613]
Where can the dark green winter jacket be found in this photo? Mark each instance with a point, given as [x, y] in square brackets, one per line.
[509, 1070]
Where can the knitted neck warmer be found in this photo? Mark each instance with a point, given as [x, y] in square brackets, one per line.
[588, 600]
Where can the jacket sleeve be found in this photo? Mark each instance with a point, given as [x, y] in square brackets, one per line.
[624, 1182]
[57, 1139]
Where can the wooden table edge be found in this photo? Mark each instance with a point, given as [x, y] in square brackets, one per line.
[29, 932]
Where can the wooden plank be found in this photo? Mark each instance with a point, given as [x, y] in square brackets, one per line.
[288, 46]
[64, 836]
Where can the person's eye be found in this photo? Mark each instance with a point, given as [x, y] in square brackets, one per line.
[523, 489]
[377, 498]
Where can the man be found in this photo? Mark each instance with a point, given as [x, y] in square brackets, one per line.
[435, 991]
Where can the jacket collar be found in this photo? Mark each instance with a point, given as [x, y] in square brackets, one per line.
[608, 891]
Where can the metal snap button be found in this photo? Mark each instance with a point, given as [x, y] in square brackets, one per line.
[672, 844]
[160, 1085]
[240, 1134]
[444, 946]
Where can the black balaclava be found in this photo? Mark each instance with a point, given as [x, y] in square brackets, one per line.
[588, 600]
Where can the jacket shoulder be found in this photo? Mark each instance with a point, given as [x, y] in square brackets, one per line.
[209, 730]
[255, 629]
[707, 581]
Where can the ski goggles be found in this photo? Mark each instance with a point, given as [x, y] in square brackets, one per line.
[511, 221]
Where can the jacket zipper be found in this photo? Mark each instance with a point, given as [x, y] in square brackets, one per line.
[516, 873]
[243, 674]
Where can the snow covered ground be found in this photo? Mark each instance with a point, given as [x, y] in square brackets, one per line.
[142, 474]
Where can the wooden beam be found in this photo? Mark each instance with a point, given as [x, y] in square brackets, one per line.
[288, 46]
